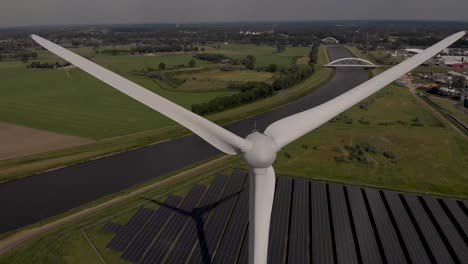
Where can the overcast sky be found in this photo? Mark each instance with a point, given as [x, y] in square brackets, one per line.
[60, 12]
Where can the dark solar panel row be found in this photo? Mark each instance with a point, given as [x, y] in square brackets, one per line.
[459, 216]
[143, 240]
[455, 241]
[388, 236]
[170, 232]
[435, 243]
[321, 237]
[345, 247]
[193, 231]
[112, 227]
[216, 225]
[298, 249]
[365, 234]
[128, 231]
[232, 240]
[244, 252]
[280, 221]
[407, 230]
[347, 225]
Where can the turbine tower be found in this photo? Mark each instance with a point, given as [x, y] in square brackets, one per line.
[258, 149]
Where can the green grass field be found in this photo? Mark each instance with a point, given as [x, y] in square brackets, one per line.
[429, 158]
[265, 55]
[28, 165]
[74, 103]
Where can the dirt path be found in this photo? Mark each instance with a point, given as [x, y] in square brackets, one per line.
[16, 141]
[25, 235]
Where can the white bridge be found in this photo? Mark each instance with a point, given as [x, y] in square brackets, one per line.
[351, 62]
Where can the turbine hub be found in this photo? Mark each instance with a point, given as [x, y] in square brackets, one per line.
[262, 151]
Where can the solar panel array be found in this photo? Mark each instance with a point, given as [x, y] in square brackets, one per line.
[312, 222]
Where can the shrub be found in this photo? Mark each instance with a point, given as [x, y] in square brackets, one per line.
[287, 155]
[389, 155]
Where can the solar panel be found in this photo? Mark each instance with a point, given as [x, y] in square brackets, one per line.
[298, 249]
[143, 240]
[171, 231]
[280, 221]
[436, 245]
[388, 236]
[232, 240]
[112, 227]
[216, 224]
[460, 217]
[408, 232]
[365, 233]
[130, 230]
[447, 228]
[345, 248]
[321, 240]
[244, 252]
[181, 251]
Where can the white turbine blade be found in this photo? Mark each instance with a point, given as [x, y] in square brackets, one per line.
[217, 136]
[261, 193]
[290, 128]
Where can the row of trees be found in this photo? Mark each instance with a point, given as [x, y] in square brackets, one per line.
[150, 49]
[222, 103]
[46, 65]
[23, 56]
[213, 57]
[252, 91]
[294, 76]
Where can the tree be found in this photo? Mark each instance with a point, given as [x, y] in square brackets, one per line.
[162, 66]
[273, 67]
[192, 63]
[280, 48]
[249, 62]
[24, 59]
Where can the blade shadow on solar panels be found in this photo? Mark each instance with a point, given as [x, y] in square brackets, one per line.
[197, 214]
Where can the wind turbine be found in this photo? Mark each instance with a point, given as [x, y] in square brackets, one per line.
[258, 149]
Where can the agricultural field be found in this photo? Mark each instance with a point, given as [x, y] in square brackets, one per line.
[390, 141]
[265, 55]
[70, 102]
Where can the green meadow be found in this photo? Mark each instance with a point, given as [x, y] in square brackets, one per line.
[428, 156]
[69, 101]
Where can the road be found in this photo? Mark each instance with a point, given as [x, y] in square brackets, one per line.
[31, 199]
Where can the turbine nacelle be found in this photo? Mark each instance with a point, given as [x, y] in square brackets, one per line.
[261, 150]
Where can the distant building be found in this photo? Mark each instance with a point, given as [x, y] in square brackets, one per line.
[330, 40]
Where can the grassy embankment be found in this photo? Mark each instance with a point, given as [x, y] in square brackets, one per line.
[429, 157]
[99, 113]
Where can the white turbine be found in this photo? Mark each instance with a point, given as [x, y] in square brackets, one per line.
[258, 149]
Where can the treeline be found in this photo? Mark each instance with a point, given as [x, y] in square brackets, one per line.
[252, 91]
[23, 56]
[46, 65]
[313, 55]
[213, 57]
[222, 103]
[292, 77]
[116, 51]
[150, 49]
[247, 86]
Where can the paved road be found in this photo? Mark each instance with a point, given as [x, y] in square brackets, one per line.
[32, 199]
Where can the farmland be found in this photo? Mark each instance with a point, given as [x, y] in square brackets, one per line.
[68, 101]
